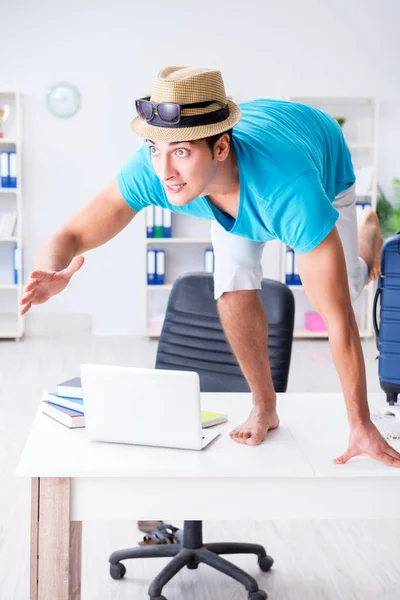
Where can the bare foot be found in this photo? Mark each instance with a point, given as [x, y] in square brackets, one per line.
[371, 241]
[255, 429]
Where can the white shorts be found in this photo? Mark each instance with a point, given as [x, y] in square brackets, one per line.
[238, 260]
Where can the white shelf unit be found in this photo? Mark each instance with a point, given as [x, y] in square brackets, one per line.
[12, 324]
[361, 133]
[184, 253]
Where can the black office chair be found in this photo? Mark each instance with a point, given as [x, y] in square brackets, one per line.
[192, 339]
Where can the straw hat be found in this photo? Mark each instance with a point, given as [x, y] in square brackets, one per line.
[188, 85]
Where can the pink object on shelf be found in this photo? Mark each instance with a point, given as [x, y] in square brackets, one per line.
[314, 322]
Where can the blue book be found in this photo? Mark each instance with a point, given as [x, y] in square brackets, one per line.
[75, 404]
[72, 388]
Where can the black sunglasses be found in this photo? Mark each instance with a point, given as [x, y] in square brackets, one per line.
[170, 112]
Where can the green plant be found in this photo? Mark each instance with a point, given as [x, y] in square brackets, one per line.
[389, 213]
[396, 191]
[340, 120]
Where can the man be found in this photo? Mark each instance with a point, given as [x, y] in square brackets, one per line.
[269, 169]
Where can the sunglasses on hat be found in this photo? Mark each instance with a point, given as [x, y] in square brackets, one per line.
[169, 113]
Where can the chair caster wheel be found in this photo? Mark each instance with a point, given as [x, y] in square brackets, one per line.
[265, 563]
[117, 571]
[260, 595]
[193, 565]
[158, 598]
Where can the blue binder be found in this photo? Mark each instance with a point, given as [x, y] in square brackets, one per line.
[16, 264]
[151, 267]
[12, 169]
[209, 260]
[150, 221]
[296, 276]
[167, 223]
[4, 170]
[160, 267]
[289, 266]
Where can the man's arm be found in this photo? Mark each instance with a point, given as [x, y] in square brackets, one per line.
[94, 224]
[324, 276]
[58, 258]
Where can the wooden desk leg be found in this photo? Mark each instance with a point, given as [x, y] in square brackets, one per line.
[56, 542]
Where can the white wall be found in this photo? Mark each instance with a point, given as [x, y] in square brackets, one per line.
[112, 51]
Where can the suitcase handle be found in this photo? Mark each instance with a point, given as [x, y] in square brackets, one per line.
[376, 328]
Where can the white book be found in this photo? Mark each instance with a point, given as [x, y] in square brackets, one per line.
[67, 417]
[71, 388]
[7, 224]
[75, 404]
[12, 223]
[3, 219]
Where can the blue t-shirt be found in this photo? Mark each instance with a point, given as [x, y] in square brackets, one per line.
[292, 162]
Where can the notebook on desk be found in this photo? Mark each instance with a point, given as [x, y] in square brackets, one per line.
[152, 407]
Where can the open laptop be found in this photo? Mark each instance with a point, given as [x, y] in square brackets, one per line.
[151, 407]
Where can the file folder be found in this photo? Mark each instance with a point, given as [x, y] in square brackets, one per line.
[158, 222]
[150, 221]
[209, 261]
[16, 265]
[160, 267]
[296, 276]
[151, 267]
[12, 169]
[289, 266]
[167, 223]
[4, 170]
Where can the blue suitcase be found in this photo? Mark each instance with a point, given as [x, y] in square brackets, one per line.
[388, 331]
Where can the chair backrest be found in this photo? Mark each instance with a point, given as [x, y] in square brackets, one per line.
[192, 337]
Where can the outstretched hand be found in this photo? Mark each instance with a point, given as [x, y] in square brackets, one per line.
[42, 285]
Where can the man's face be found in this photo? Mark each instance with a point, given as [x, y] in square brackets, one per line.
[184, 168]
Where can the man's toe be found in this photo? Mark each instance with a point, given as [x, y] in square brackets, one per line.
[254, 441]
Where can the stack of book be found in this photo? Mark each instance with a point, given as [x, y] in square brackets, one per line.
[66, 406]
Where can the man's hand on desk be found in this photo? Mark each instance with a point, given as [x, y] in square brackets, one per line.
[366, 440]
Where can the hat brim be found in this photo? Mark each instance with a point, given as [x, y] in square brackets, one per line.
[185, 134]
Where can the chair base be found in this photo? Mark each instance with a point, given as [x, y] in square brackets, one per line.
[190, 554]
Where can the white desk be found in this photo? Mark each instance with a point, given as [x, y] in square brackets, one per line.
[289, 476]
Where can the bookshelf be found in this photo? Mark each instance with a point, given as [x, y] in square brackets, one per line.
[361, 133]
[184, 253]
[12, 325]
